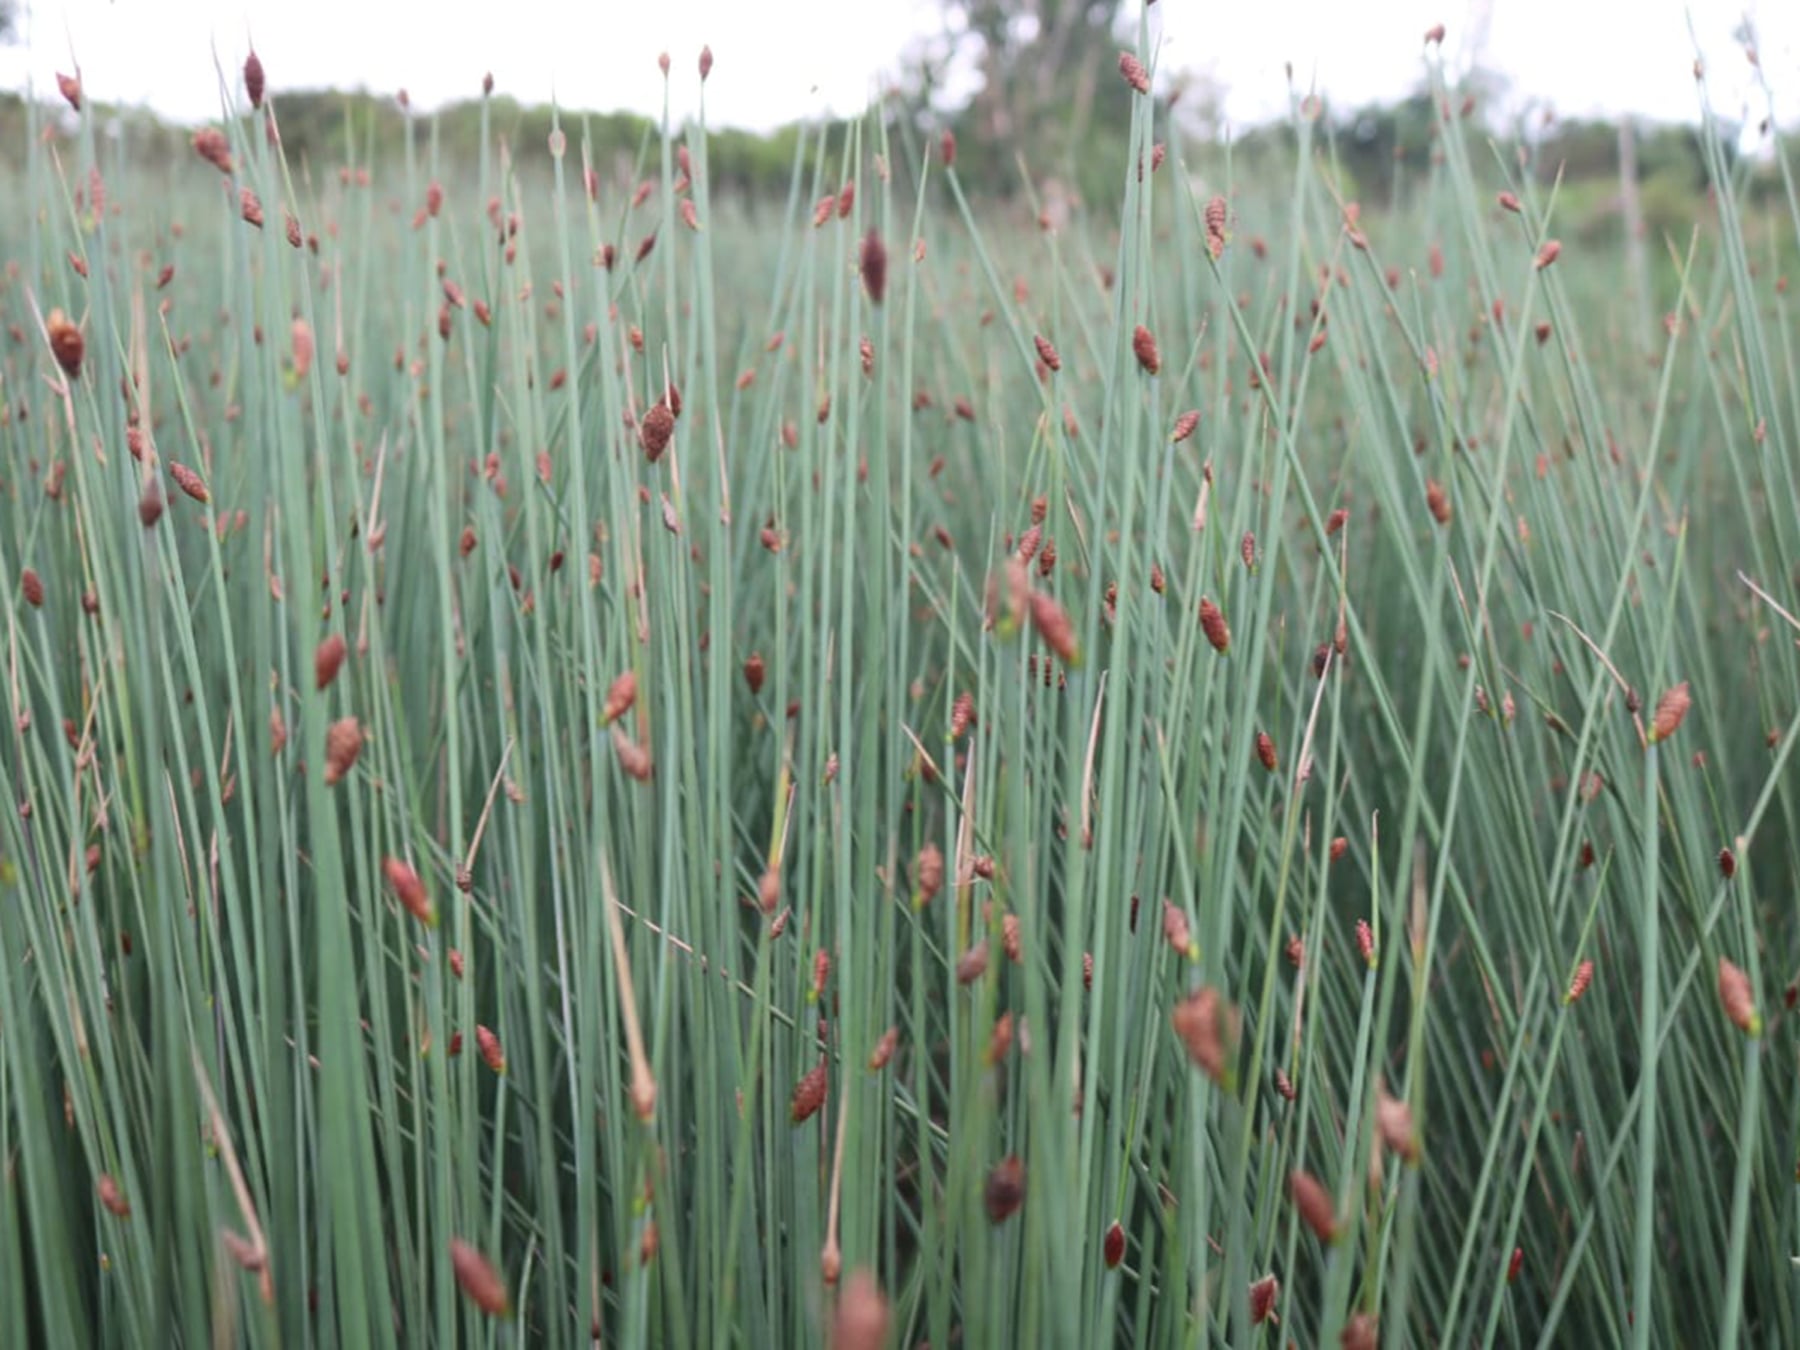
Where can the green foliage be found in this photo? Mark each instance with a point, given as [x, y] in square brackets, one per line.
[1166, 913]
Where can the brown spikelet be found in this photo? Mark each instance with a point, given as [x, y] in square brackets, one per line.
[962, 714]
[1208, 1027]
[634, 759]
[1508, 202]
[31, 588]
[754, 671]
[1134, 73]
[1394, 1122]
[250, 207]
[70, 88]
[1215, 227]
[151, 502]
[1438, 500]
[1265, 750]
[1112, 1248]
[619, 697]
[66, 343]
[1315, 1204]
[862, 1319]
[1184, 426]
[1727, 863]
[1264, 1294]
[1047, 352]
[210, 144]
[972, 964]
[1177, 932]
[1247, 550]
[1212, 622]
[1336, 521]
[110, 1196]
[277, 732]
[873, 261]
[1671, 708]
[1737, 1000]
[809, 1095]
[1549, 253]
[343, 743]
[1005, 1190]
[1143, 346]
[1365, 943]
[1361, 1332]
[655, 429]
[253, 79]
[1012, 941]
[1054, 625]
[409, 890]
[189, 482]
[1584, 976]
[884, 1049]
[491, 1053]
[328, 660]
[480, 1282]
[928, 875]
[706, 63]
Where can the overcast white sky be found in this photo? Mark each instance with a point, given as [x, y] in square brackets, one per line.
[781, 59]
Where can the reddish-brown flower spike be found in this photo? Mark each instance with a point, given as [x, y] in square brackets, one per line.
[189, 482]
[491, 1053]
[1361, 1332]
[1215, 227]
[480, 1282]
[1584, 976]
[1365, 943]
[1265, 750]
[962, 714]
[1177, 931]
[754, 671]
[253, 79]
[328, 660]
[1264, 1294]
[1184, 426]
[1212, 622]
[654, 430]
[250, 206]
[1133, 71]
[110, 1196]
[66, 343]
[210, 144]
[809, 1095]
[884, 1049]
[409, 890]
[1548, 253]
[1509, 202]
[928, 875]
[31, 588]
[1315, 1205]
[706, 62]
[619, 698]
[70, 87]
[1005, 1189]
[1047, 353]
[1284, 1085]
[1727, 863]
[873, 261]
[862, 1319]
[1671, 708]
[1394, 1121]
[1515, 1264]
[1113, 1249]
[1737, 1000]
[1336, 521]
[1055, 627]
[972, 964]
[343, 743]
[1438, 500]
[1435, 33]
[1208, 1027]
[634, 759]
[1143, 346]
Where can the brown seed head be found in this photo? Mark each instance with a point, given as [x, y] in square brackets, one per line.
[110, 1196]
[1113, 1247]
[1438, 500]
[862, 1319]
[873, 260]
[66, 343]
[328, 660]
[253, 79]
[1208, 1026]
[70, 87]
[655, 429]
[1133, 71]
[1143, 346]
[1394, 1121]
[480, 1282]
[31, 588]
[189, 482]
[972, 964]
[1548, 253]
[1264, 1294]
[210, 144]
[706, 62]
[1184, 426]
[1508, 202]
[1177, 932]
[343, 743]
[884, 1049]
[1584, 976]
[1215, 227]
[1212, 622]
[1727, 863]
[1265, 750]
[1365, 943]
[1361, 1333]
[928, 875]
[754, 671]
[1005, 1189]
[1671, 708]
[1047, 352]
[409, 890]
[491, 1053]
[1054, 626]
[1737, 1000]
[809, 1095]
[619, 698]
[1315, 1204]
[634, 759]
